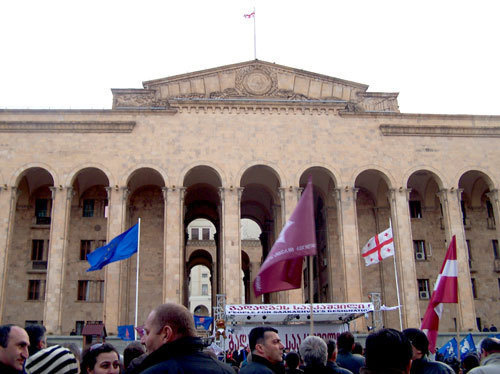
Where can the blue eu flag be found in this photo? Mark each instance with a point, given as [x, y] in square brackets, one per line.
[120, 248]
[450, 349]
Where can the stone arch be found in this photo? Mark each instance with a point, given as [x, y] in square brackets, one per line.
[125, 178]
[383, 172]
[330, 170]
[216, 169]
[275, 169]
[73, 174]
[19, 173]
[425, 184]
[475, 183]
[433, 171]
[485, 173]
[377, 190]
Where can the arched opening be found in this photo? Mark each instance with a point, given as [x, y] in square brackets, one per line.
[251, 254]
[28, 251]
[260, 203]
[325, 213]
[202, 225]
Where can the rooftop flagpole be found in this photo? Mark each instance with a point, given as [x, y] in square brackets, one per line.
[137, 276]
[254, 36]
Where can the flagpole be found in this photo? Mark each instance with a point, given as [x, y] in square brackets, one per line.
[397, 282]
[137, 276]
[310, 258]
[254, 36]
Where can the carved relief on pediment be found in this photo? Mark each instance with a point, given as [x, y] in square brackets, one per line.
[134, 100]
[256, 81]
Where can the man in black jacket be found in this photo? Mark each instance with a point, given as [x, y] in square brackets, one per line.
[173, 347]
[267, 352]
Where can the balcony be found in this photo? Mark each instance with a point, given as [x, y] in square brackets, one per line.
[42, 220]
[38, 267]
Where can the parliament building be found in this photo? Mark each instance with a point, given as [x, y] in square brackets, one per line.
[233, 146]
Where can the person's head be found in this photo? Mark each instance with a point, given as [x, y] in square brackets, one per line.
[167, 323]
[265, 342]
[292, 360]
[358, 348]
[133, 350]
[313, 351]
[388, 349]
[489, 346]
[100, 359]
[37, 337]
[419, 342]
[453, 362]
[75, 349]
[14, 344]
[345, 342]
[332, 350]
[469, 362]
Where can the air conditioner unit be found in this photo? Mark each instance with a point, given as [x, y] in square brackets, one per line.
[420, 256]
[423, 294]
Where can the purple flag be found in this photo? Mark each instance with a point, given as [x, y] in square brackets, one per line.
[282, 269]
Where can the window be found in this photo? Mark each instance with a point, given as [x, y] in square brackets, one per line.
[464, 212]
[206, 233]
[90, 290]
[42, 212]
[204, 289]
[79, 327]
[88, 207]
[423, 289]
[420, 253]
[489, 209]
[36, 289]
[474, 289]
[469, 254]
[204, 275]
[85, 249]
[478, 323]
[37, 250]
[496, 252]
[195, 233]
[415, 209]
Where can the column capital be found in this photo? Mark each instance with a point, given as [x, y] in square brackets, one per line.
[240, 193]
[282, 192]
[164, 191]
[493, 195]
[221, 193]
[108, 191]
[342, 194]
[125, 193]
[70, 193]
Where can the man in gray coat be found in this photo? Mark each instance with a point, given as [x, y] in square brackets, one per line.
[490, 357]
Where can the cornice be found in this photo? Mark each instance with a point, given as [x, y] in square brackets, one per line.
[421, 116]
[68, 126]
[445, 131]
[261, 106]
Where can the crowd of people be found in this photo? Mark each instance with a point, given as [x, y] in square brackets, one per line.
[169, 344]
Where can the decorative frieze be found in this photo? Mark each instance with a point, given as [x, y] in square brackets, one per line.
[67, 126]
[444, 131]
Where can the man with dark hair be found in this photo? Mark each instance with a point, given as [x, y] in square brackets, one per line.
[332, 356]
[345, 358]
[420, 348]
[172, 345]
[490, 357]
[37, 337]
[267, 352]
[292, 361]
[387, 351]
[14, 344]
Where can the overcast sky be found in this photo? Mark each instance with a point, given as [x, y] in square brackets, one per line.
[441, 56]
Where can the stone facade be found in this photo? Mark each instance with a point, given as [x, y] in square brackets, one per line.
[239, 142]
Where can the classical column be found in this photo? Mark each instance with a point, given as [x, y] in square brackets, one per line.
[60, 215]
[7, 215]
[173, 261]
[453, 225]
[117, 201]
[231, 254]
[349, 243]
[405, 257]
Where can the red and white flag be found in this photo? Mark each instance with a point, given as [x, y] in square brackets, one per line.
[445, 291]
[282, 269]
[249, 15]
[378, 247]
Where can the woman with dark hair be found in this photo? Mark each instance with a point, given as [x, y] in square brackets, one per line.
[101, 359]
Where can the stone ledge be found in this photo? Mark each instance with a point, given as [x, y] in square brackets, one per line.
[69, 126]
[445, 131]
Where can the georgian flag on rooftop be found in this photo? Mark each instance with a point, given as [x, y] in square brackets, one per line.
[445, 291]
[378, 247]
[249, 15]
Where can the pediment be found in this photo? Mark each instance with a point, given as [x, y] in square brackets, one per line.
[252, 80]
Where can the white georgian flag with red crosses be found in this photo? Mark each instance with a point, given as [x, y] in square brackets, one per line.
[378, 247]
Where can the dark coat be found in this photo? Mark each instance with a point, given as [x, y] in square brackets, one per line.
[4, 369]
[260, 365]
[424, 366]
[336, 369]
[350, 362]
[183, 355]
